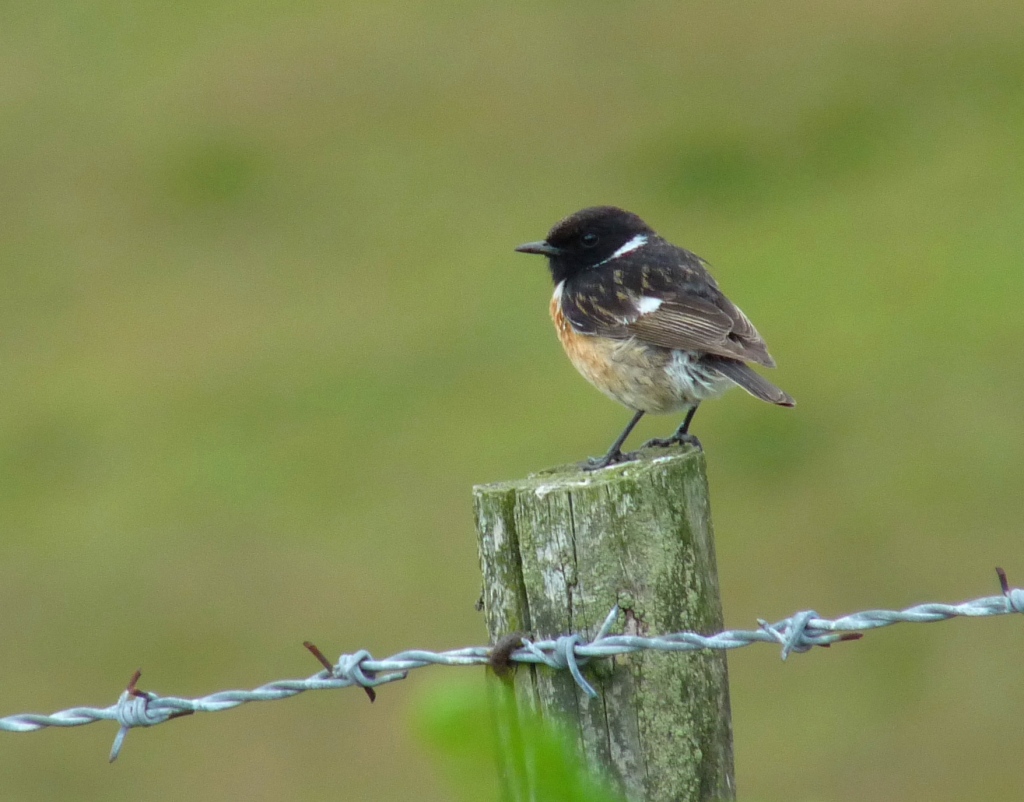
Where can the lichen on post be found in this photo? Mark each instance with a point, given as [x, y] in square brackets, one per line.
[558, 550]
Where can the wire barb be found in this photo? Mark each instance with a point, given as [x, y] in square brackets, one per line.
[329, 668]
[796, 634]
[133, 710]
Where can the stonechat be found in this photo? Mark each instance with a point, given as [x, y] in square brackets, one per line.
[644, 321]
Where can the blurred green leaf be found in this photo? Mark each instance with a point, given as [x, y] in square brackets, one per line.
[480, 734]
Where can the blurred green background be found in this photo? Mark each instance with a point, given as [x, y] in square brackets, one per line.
[262, 329]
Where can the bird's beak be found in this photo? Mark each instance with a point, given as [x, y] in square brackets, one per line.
[540, 247]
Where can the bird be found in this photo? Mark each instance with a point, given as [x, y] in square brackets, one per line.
[645, 322]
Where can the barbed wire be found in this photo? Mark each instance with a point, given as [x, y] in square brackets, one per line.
[798, 633]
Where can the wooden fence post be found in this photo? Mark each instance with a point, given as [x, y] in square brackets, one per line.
[557, 551]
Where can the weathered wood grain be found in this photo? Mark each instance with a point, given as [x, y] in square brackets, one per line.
[557, 551]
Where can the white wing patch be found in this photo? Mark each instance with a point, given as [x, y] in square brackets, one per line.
[648, 304]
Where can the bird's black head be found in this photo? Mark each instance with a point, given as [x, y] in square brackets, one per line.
[589, 238]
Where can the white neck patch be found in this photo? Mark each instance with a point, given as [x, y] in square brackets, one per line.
[638, 241]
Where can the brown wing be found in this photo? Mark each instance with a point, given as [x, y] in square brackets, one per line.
[690, 323]
[663, 295]
[660, 309]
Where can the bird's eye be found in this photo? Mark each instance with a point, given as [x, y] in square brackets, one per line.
[589, 240]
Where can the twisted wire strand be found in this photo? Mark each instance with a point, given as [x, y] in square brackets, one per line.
[798, 633]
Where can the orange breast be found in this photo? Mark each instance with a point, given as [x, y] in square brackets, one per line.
[627, 371]
[588, 354]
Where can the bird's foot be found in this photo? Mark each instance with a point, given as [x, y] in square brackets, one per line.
[678, 439]
[597, 463]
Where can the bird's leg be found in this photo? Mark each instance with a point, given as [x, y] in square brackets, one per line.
[681, 436]
[615, 452]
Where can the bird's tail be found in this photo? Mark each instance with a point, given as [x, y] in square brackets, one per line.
[754, 383]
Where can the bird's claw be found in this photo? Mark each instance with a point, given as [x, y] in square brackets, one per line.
[597, 463]
[679, 439]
